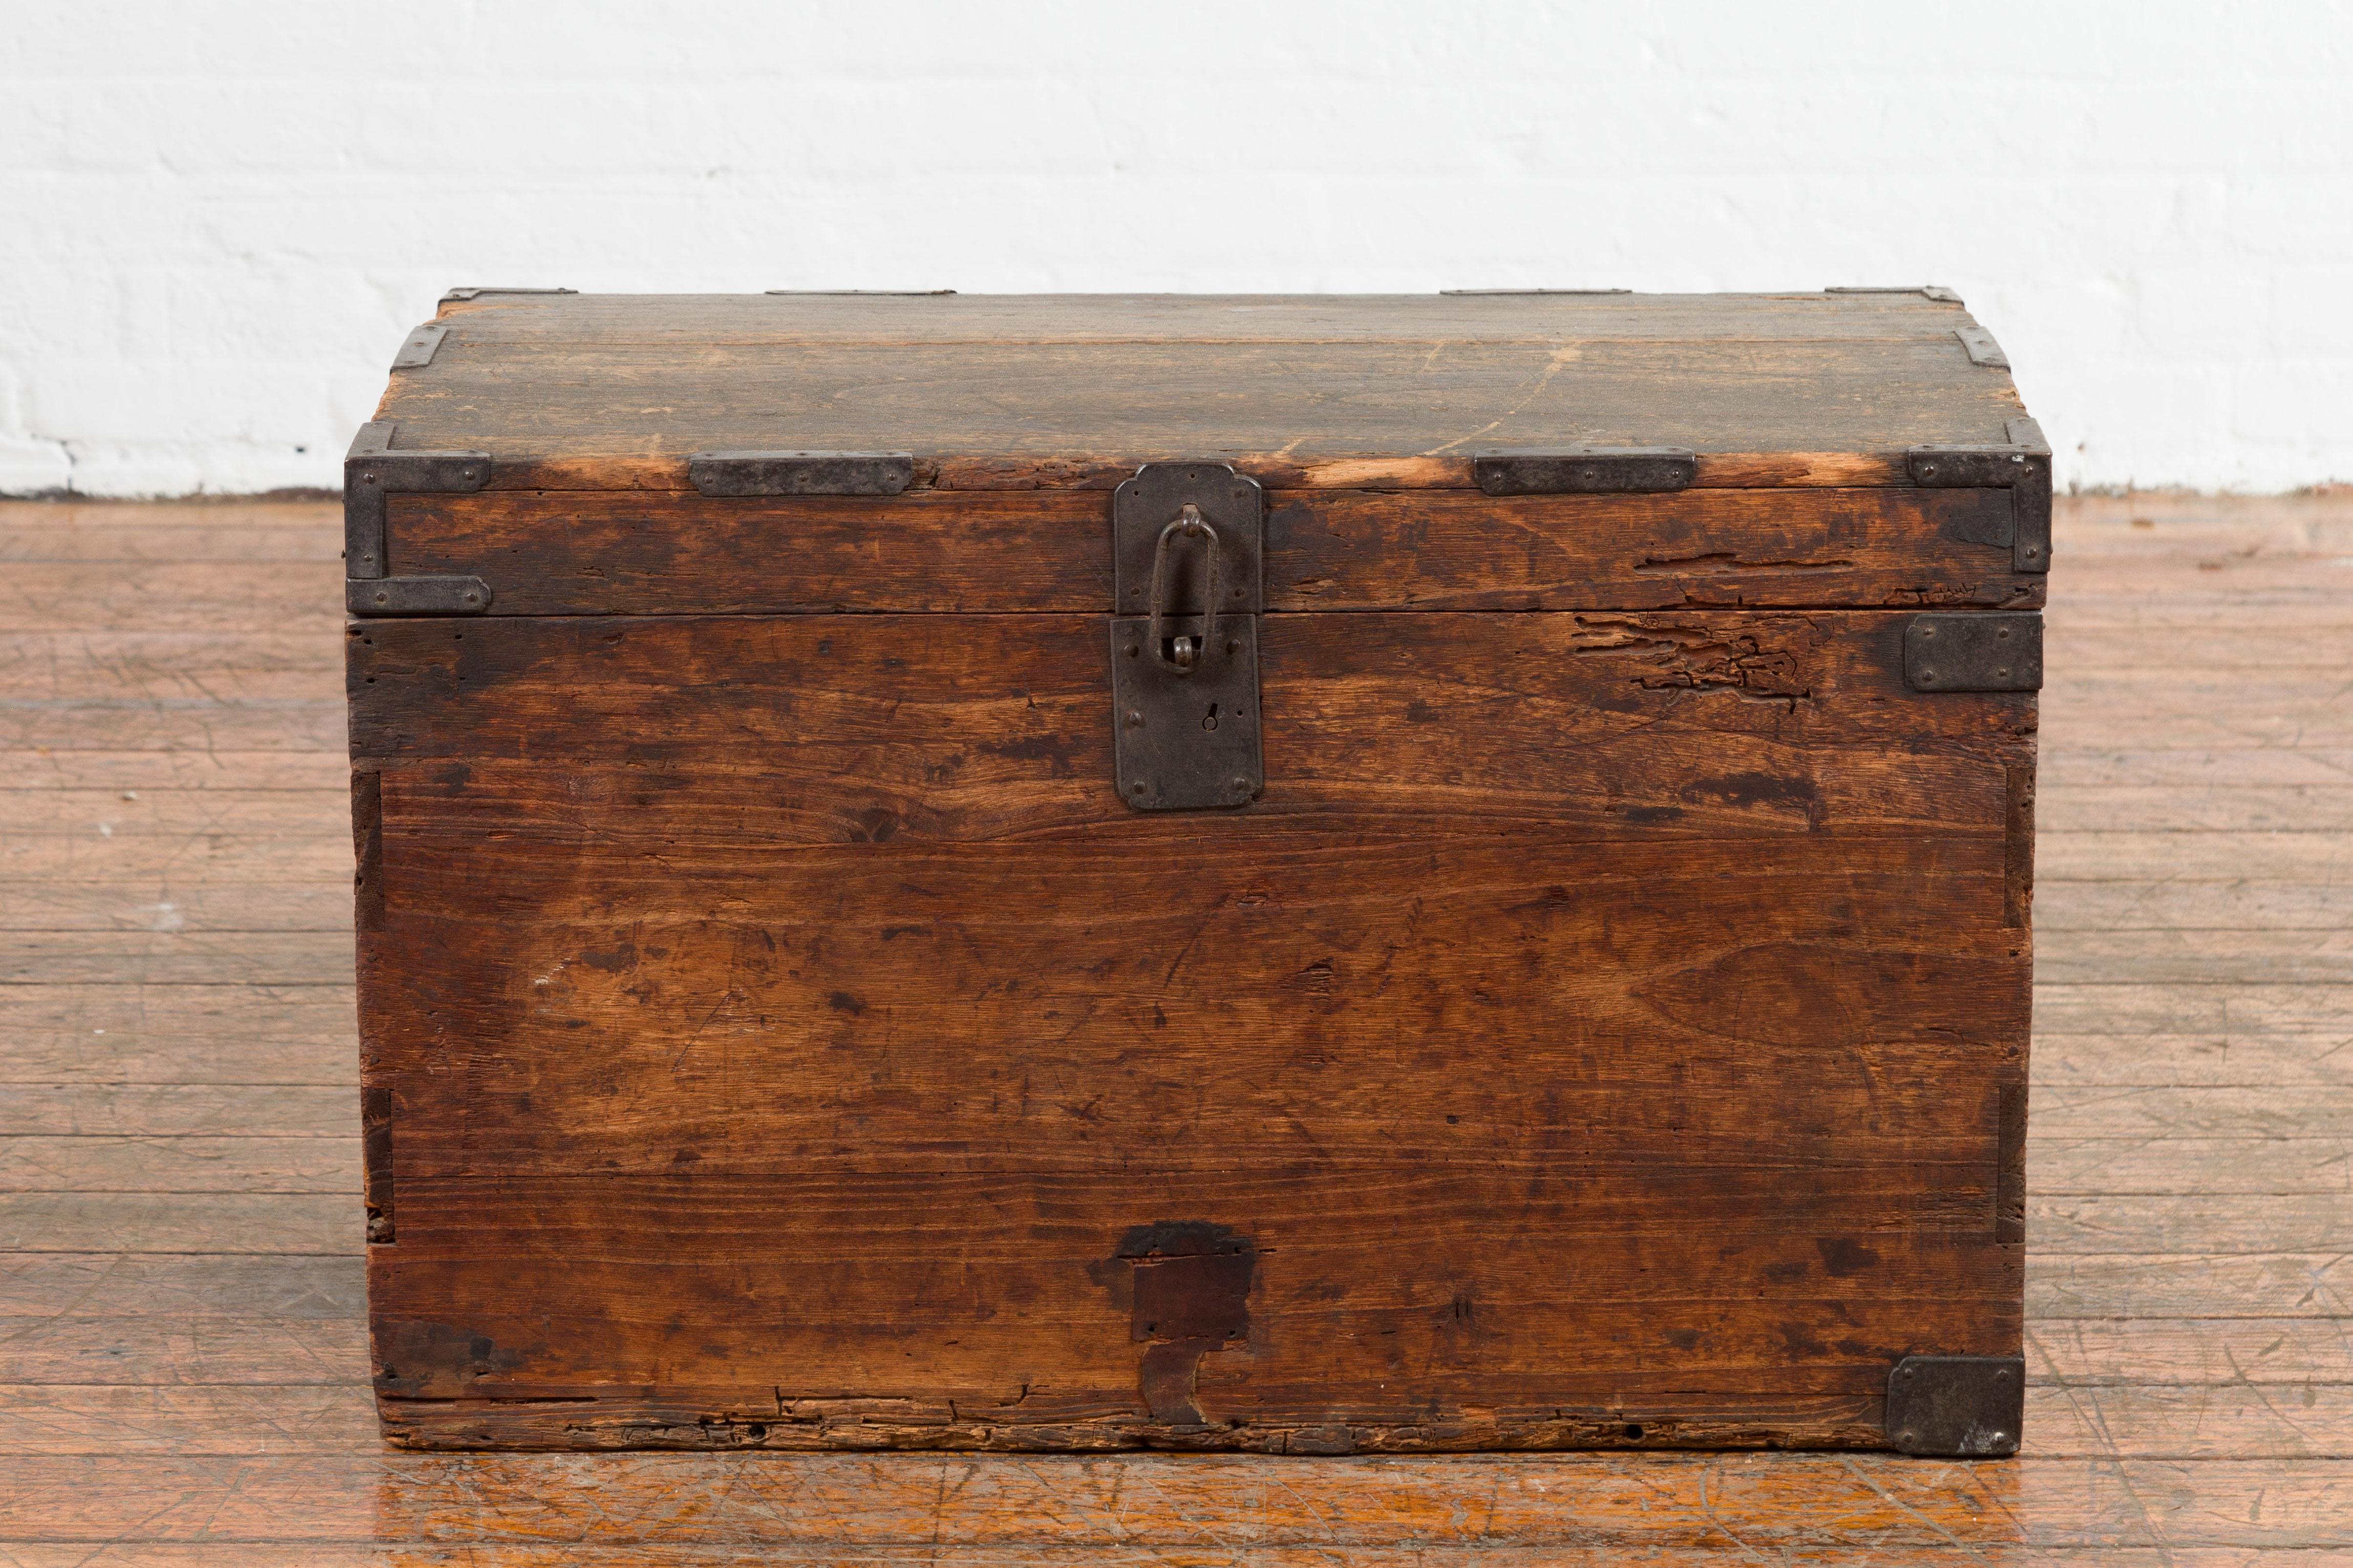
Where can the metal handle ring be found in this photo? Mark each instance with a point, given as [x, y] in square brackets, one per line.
[1182, 658]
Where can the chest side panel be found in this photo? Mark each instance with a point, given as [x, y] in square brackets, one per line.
[1606, 1018]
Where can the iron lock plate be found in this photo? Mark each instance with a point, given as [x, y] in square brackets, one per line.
[1189, 553]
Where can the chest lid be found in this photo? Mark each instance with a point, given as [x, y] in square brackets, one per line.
[617, 391]
[544, 452]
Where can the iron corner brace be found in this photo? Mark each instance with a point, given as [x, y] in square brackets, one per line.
[372, 470]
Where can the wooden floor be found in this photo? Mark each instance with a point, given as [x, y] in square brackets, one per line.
[183, 1368]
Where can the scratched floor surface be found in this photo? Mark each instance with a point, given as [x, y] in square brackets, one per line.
[182, 1353]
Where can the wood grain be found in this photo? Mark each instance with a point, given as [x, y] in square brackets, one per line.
[619, 553]
[578, 392]
[2224, 1410]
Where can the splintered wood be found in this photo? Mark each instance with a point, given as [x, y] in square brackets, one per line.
[183, 1371]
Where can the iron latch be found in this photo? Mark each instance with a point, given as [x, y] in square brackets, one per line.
[1187, 563]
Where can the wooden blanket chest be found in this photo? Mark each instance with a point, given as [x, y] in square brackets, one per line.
[1298, 874]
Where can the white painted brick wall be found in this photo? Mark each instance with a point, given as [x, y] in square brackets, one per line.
[217, 218]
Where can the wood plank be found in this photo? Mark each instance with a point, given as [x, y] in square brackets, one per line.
[114, 1109]
[175, 957]
[2198, 957]
[106, 1285]
[2206, 1223]
[2058, 1165]
[200, 860]
[2160, 1112]
[208, 596]
[166, 905]
[193, 724]
[2165, 1353]
[209, 1222]
[2280, 1063]
[1766, 1504]
[179, 1163]
[590, 553]
[2239, 1010]
[2146, 1285]
[2139, 764]
[605, 381]
[2252, 907]
[2232, 1421]
[2289, 808]
[151, 767]
[1333, 1336]
[117, 1023]
[183, 1346]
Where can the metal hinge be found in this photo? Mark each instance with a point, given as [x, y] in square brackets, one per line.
[1987, 651]
[1934, 292]
[1582, 471]
[2023, 467]
[478, 293]
[1957, 1406]
[372, 470]
[1187, 560]
[420, 348]
[801, 473]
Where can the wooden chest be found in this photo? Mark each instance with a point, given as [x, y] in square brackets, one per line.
[1295, 874]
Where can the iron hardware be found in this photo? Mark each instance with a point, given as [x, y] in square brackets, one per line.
[1982, 349]
[476, 293]
[1188, 551]
[2022, 466]
[1999, 651]
[1182, 654]
[801, 473]
[1582, 471]
[1957, 1406]
[372, 470]
[416, 597]
[1934, 292]
[419, 349]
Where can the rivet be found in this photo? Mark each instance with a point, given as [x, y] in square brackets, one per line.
[1904, 1436]
[381, 598]
[1233, 645]
[1133, 650]
[2002, 671]
[1926, 676]
[2001, 632]
[1135, 788]
[1927, 631]
[1135, 719]
[1242, 783]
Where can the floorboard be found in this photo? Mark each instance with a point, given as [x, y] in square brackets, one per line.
[182, 1357]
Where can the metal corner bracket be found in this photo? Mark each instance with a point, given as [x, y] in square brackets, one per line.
[1957, 1406]
[2022, 466]
[372, 470]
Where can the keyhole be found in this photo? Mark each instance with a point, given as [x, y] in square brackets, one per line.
[1212, 722]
